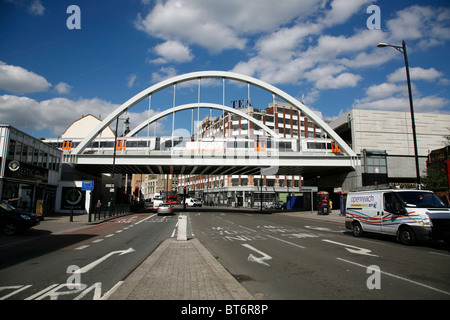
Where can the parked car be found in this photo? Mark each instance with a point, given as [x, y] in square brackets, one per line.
[148, 205]
[13, 220]
[275, 205]
[165, 208]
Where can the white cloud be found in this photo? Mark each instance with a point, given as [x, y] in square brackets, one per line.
[428, 24]
[131, 80]
[19, 80]
[164, 73]
[55, 115]
[173, 51]
[63, 88]
[36, 8]
[343, 80]
[416, 73]
[384, 90]
[342, 10]
[220, 25]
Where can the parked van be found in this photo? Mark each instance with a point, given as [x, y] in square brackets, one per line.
[192, 202]
[410, 215]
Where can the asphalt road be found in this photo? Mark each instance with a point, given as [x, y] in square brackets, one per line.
[271, 255]
[104, 255]
[277, 257]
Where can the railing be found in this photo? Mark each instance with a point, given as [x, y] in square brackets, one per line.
[104, 212]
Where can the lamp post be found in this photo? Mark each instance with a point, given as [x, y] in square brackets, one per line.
[402, 49]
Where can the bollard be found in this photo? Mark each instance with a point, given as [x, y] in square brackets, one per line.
[182, 228]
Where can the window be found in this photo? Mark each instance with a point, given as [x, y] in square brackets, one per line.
[12, 148]
[391, 202]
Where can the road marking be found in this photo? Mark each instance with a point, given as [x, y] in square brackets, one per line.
[352, 249]
[19, 289]
[248, 228]
[41, 292]
[398, 277]
[145, 219]
[322, 229]
[98, 261]
[260, 260]
[98, 240]
[292, 244]
[82, 247]
[112, 290]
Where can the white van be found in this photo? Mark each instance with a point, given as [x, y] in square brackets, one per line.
[409, 215]
[192, 202]
[157, 203]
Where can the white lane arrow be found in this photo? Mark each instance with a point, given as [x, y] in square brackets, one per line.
[260, 260]
[353, 249]
[96, 262]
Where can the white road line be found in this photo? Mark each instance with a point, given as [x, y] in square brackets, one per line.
[248, 228]
[82, 247]
[111, 291]
[292, 244]
[398, 277]
[145, 219]
[352, 249]
[19, 288]
[98, 240]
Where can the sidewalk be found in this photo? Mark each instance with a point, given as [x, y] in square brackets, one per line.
[334, 215]
[181, 270]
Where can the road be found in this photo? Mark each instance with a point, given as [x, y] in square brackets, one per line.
[272, 256]
[277, 257]
[103, 255]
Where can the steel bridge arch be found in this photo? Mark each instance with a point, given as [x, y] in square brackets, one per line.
[203, 105]
[212, 74]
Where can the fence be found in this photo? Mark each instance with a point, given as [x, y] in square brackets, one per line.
[104, 212]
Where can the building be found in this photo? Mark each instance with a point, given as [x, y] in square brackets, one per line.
[384, 141]
[71, 181]
[281, 117]
[250, 190]
[30, 171]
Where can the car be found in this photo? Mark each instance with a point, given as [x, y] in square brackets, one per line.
[148, 205]
[192, 202]
[13, 221]
[280, 205]
[165, 208]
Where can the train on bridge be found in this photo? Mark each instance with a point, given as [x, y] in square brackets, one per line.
[145, 145]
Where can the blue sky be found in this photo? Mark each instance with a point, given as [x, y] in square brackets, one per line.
[51, 75]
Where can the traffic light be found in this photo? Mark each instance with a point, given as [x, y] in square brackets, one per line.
[184, 190]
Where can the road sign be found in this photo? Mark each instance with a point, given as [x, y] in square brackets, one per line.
[87, 185]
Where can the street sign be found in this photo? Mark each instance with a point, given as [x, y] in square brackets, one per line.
[87, 185]
[109, 185]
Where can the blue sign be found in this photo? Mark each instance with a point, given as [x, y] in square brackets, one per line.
[87, 185]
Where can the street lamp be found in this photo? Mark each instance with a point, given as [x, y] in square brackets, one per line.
[402, 49]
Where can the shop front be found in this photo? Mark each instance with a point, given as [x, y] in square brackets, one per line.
[26, 187]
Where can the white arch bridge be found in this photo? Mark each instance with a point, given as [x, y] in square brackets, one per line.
[221, 151]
